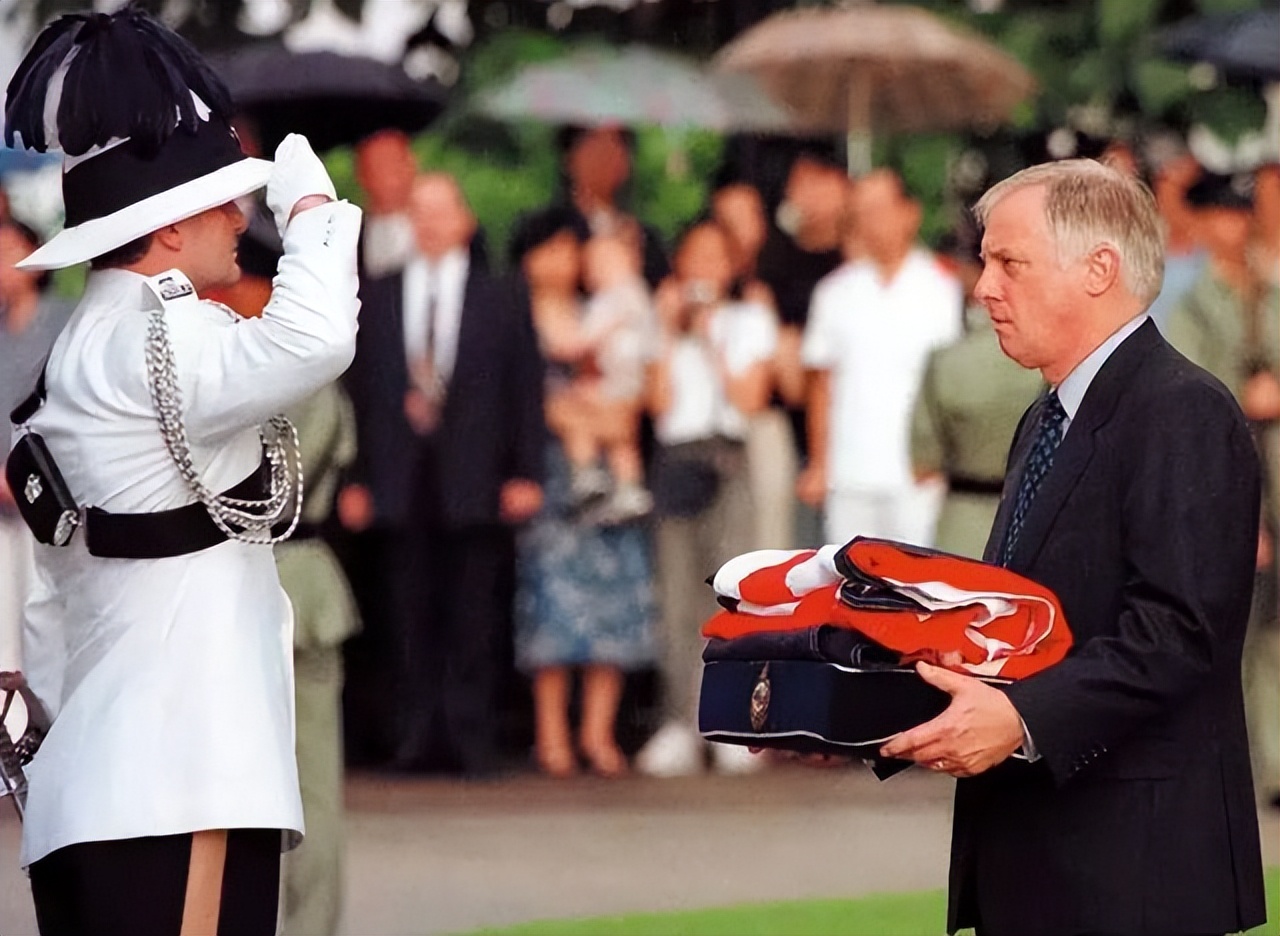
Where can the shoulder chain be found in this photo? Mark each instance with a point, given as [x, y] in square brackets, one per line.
[248, 521]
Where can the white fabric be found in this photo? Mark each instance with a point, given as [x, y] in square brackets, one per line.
[93, 238]
[743, 334]
[621, 325]
[907, 515]
[387, 243]
[443, 281]
[16, 570]
[875, 339]
[170, 681]
[297, 174]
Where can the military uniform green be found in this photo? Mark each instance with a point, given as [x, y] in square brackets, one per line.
[324, 616]
[1208, 326]
[971, 398]
[1211, 326]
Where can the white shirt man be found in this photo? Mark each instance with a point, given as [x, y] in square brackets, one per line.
[433, 295]
[873, 338]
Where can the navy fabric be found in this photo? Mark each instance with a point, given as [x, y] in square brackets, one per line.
[1039, 461]
[822, 644]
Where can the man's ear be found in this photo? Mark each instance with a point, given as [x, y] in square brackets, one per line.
[169, 237]
[1102, 269]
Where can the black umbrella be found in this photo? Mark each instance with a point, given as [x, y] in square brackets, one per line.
[1243, 45]
[333, 99]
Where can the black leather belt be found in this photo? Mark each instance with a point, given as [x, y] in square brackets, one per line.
[963, 484]
[164, 533]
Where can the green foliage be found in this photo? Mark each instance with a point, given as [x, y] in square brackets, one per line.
[509, 169]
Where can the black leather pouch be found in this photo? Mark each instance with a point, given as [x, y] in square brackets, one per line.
[42, 496]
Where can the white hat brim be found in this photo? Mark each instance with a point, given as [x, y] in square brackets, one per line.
[94, 238]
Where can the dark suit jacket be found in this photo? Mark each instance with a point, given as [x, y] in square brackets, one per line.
[1140, 817]
[491, 429]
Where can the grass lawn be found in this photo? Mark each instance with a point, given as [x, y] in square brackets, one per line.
[914, 914]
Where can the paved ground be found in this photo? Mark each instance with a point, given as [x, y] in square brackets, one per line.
[430, 857]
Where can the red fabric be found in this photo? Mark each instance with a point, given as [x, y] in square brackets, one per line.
[1033, 636]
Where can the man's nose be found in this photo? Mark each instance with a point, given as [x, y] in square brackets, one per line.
[238, 217]
[984, 288]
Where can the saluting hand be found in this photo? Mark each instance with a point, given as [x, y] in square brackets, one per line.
[979, 729]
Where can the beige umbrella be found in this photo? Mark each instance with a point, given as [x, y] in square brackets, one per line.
[865, 68]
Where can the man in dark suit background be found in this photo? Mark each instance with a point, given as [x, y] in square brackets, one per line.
[447, 384]
[1133, 493]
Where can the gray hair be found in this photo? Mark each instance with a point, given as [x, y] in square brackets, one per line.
[1087, 204]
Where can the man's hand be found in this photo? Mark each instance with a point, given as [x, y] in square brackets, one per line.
[297, 173]
[1260, 398]
[811, 485]
[979, 729]
[355, 508]
[519, 500]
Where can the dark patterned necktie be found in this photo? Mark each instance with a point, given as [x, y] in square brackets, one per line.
[1039, 461]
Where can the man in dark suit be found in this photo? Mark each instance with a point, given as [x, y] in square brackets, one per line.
[1133, 493]
[447, 384]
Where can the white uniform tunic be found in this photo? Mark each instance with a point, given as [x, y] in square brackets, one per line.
[170, 681]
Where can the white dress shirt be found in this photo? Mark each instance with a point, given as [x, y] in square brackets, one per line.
[875, 338]
[1074, 386]
[434, 287]
[170, 681]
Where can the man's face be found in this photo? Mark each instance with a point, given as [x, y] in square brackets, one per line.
[441, 219]
[1224, 231]
[209, 242]
[599, 163]
[1033, 300]
[385, 168]
[816, 191]
[887, 221]
[14, 247]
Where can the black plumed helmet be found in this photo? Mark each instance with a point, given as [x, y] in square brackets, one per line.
[122, 75]
[144, 125]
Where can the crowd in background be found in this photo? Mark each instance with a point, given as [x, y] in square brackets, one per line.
[555, 456]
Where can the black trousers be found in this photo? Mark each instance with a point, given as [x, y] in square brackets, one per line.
[448, 650]
[137, 887]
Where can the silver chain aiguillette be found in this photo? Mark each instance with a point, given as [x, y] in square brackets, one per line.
[248, 521]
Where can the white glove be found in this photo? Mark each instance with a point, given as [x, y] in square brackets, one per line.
[298, 172]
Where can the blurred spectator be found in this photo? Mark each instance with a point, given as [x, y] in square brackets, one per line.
[30, 321]
[873, 325]
[385, 169]
[1184, 259]
[771, 454]
[711, 374]
[447, 384]
[324, 615]
[805, 246]
[585, 593]
[610, 344]
[971, 399]
[1209, 323]
[1261, 402]
[597, 166]
[1226, 323]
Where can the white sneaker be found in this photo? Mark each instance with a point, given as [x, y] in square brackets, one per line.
[675, 750]
[626, 504]
[736, 760]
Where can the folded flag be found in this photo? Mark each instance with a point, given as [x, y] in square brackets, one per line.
[967, 615]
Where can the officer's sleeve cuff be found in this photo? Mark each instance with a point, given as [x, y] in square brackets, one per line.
[1028, 745]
